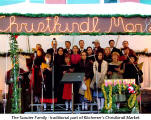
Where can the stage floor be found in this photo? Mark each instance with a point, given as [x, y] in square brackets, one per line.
[60, 108]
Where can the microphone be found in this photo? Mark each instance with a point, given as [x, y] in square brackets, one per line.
[54, 41]
[35, 55]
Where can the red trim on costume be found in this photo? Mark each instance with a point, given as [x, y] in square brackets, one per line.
[49, 100]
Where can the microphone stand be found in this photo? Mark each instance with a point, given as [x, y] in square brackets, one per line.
[5, 97]
[19, 86]
[138, 73]
[53, 77]
[32, 83]
[96, 79]
[96, 85]
[42, 91]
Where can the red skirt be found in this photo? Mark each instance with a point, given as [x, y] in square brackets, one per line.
[67, 91]
[45, 100]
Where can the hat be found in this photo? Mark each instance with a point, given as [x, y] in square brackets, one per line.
[96, 41]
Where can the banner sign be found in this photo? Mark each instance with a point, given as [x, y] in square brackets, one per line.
[22, 24]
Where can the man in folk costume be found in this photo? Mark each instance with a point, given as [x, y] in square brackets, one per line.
[9, 82]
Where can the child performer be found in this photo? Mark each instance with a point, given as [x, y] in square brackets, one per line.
[67, 90]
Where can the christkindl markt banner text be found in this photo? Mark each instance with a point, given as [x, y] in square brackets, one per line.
[61, 24]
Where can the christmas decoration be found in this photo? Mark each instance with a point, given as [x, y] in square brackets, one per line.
[119, 91]
[108, 105]
[16, 108]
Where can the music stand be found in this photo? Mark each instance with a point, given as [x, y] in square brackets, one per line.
[72, 78]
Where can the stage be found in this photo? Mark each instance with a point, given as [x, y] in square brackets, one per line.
[60, 108]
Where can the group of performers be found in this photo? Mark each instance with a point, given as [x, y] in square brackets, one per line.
[47, 70]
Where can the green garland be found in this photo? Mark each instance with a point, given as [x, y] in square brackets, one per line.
[143, 53]
[74, 15]
[20, 53]
[16, 108]
[91, 34]
[132, 105]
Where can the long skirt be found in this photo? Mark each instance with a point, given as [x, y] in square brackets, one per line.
[67, 91]
[86, 95]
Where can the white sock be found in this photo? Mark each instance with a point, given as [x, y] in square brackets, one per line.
[86, 106]
[45, 106]
[102, 103]
[67, 105]
[70, 104]
[36, 99]
[51, 106]
[82, 105]
[99, 103]
[118, 105]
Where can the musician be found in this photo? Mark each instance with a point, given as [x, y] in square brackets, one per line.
[125, 55]
[86, 67]
[38, 46]
[100, 67]
[113, 48]
[97, 47]
[116, 67]
[126, 47]
[132, 70]
[29, 61]
[67, 89]
[9, 82]
[37, 76]
[116, 70]
[48, 88]
[107, 55]
[68, 50]
[81, 45]
[90, 54]
[54, 48]
[58, 62]
[75, 58]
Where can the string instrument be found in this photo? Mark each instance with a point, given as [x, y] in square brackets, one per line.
[45, 66]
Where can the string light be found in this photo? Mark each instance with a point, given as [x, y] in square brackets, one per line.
[129, 27]
[62, 25]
